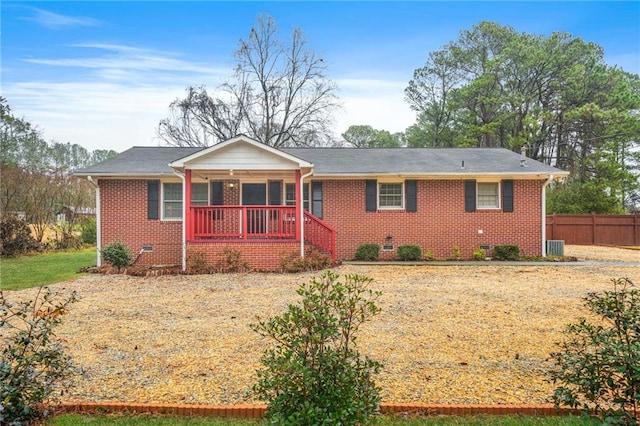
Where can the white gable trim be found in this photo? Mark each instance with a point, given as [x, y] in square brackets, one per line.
[180, 163]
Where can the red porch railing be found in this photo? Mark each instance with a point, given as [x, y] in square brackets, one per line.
[243, 222]
[259, 222]
[320, 234]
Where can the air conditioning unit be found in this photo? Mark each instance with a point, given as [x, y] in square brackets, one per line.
[555, 247]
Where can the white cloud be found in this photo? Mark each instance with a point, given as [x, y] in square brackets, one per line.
[378, 103]
[94, 115]
[56, 21]
[128, 90]
[115, 115]
[126, 62]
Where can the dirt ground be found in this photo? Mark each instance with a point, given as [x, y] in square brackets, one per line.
[447, 334]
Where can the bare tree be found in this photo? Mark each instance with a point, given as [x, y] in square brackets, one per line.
[279, 95]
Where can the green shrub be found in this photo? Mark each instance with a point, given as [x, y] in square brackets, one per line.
[34, 368]
[506, 252]
[232, 261]
[368, 251]
[314, 374]
[409, 252]
[480, 254]
[428, 255]
[313, 260]
[197, 263]
[89, 231]
[117, 255]
[598, 364]
[456, 254]
[16, 238]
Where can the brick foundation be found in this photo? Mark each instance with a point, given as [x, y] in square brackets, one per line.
[258, 255]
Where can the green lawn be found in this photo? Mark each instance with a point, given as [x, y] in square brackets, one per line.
[69, 420]
[42, 269]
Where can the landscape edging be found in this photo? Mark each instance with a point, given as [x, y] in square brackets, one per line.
[256, 411]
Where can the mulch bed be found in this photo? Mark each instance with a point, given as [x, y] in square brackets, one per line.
[446, 334]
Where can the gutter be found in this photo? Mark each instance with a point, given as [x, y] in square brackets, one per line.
[184, 220]
[98, 221]
[544, 215]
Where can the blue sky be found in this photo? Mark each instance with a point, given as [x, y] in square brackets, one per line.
[102, 74]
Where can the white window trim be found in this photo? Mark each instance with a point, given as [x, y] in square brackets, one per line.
[403, 201]
[499, 196]
[170, 219]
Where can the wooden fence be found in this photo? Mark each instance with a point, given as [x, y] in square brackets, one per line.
[594, 229]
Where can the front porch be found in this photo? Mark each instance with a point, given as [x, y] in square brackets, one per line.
[253, 198]
[226, 224]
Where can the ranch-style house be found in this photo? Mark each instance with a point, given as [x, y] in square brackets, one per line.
[170, 203]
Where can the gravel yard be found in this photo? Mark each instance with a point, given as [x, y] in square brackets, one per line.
[446, 334]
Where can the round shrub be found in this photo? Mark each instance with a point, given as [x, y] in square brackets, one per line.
[117, 255]
[480, 254]
[313, 374]
[410, 252]
[368, 251]
[506, 252]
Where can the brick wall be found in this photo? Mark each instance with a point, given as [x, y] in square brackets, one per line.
[258, 255]
[439, 224]
[123, 205]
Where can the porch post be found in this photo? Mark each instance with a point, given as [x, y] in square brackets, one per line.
[187, 208]
[299, 217]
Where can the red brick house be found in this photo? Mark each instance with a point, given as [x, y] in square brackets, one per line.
[170, 203]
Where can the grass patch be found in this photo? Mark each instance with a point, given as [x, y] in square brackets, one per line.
[42, 269]
[74, 419]
[487, 421]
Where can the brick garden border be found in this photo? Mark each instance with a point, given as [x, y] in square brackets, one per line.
[258, 411]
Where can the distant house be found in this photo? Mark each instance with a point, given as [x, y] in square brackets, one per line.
[73, 214]
[170, 203]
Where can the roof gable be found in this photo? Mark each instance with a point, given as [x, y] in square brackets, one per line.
[240, 153]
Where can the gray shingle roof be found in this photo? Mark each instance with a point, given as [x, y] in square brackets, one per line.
[144, 161]
[139, 160]
[417, 161]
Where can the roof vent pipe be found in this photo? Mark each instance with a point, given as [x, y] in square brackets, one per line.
[462, 167]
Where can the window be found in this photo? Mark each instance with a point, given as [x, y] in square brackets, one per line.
[199, 194]
[390, 196]
[172, 201]
[488, 195]
[290, 195]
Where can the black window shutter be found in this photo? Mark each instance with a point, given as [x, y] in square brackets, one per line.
[470, 195]
[217, 194]
[507, 195]
[153, 199]
[316, 194]
[410, 195]
[275, 192]
[372, 195]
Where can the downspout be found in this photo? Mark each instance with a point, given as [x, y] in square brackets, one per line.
[184, 221]
[98, 220]
[302, 210]
[544, 215]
